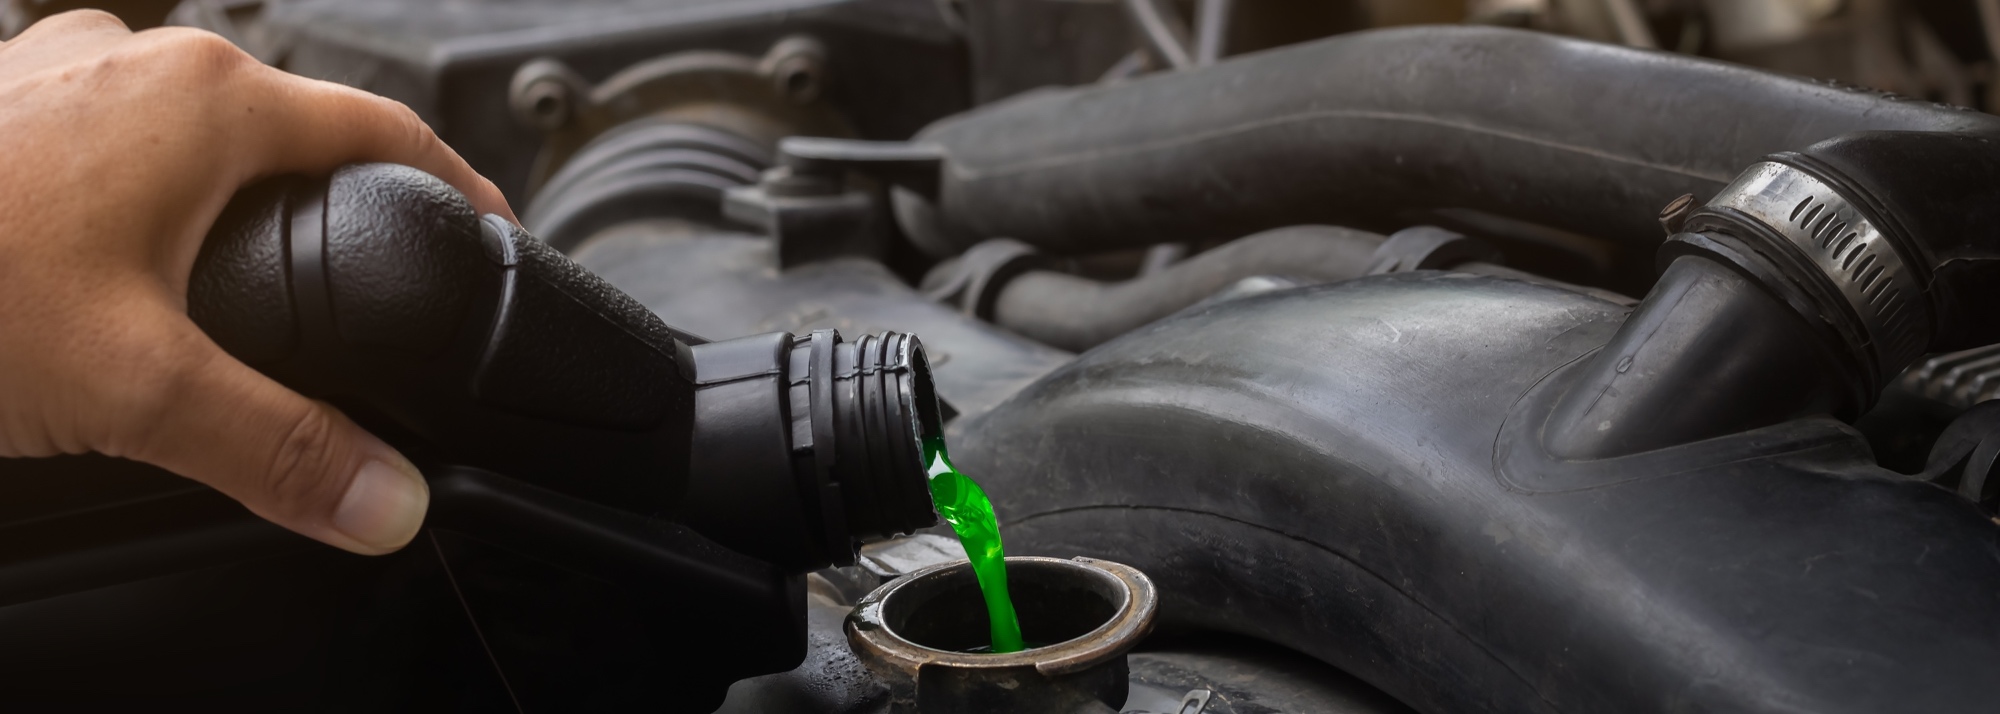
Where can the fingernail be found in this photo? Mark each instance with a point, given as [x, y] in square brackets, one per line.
[384, 505]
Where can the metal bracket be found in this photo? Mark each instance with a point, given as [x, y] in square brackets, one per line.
[809, 206]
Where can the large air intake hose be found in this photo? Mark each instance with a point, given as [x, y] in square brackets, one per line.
[1374, 129]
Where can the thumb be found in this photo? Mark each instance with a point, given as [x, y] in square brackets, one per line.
[296, 462]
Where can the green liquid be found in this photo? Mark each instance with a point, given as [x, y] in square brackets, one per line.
[962, 504]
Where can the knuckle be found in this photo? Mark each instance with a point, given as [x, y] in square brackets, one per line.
[414, 132]
[402, 112]
[199, 55]
[420, 135]
[296, 471]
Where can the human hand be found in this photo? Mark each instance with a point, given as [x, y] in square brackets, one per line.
[117, 153]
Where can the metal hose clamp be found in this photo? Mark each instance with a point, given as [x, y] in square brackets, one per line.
[1817, 226]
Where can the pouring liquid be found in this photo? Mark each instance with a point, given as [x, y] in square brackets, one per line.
[961, 503]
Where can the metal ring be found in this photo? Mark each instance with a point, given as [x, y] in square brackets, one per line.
[1832, 234]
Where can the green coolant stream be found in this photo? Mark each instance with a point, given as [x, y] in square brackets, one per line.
[962, 504]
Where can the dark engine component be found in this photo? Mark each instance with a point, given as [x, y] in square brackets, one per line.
[1078, 313]
[1588, 138]
[1689, 458]
[634, 168]
[1429, 543]
[889, 67]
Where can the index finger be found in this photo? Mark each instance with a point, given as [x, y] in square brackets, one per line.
[313, 127]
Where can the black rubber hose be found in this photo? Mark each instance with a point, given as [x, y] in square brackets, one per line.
[1708, 353]
[1076, 313]
[1369, 128]
[1803, 288]
[646, 168]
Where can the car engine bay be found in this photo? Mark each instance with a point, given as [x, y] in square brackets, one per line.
[1419, 356]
